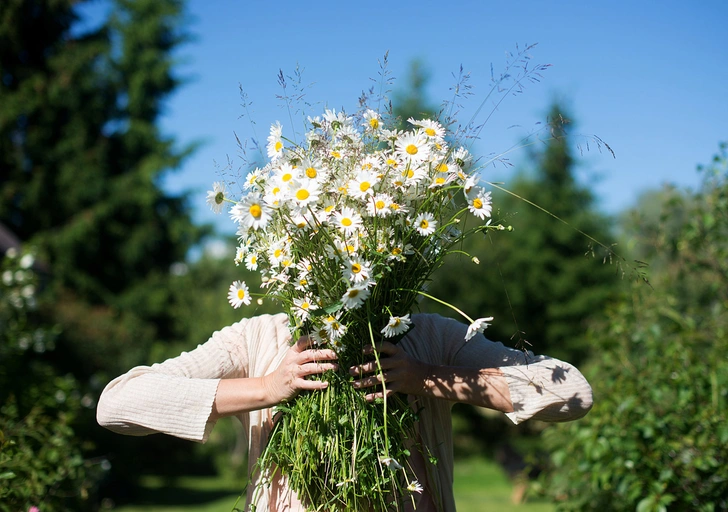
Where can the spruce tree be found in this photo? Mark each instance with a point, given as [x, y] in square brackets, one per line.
[540, 281]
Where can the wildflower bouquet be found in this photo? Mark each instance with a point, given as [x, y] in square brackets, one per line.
[346, 229]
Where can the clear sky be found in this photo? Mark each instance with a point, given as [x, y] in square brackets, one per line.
[649, 78]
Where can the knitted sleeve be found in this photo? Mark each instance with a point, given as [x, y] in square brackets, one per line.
[541, 387]
[176, 397]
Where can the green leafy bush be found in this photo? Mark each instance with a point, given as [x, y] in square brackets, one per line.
[41, 463]
[657, 437]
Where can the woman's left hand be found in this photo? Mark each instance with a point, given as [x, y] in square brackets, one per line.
[401, 373]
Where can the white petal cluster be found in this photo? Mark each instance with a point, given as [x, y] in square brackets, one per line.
[355, 211]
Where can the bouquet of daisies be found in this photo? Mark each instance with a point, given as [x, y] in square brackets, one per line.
[346, 229]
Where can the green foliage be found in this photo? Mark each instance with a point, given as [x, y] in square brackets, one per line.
[81, 164]
[41, 463]
[410, 101]
[657, 437]
[540, 281]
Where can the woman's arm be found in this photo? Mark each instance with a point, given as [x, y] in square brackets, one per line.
[235, 396]
[402, 373]
[185, 395]
[435, 360]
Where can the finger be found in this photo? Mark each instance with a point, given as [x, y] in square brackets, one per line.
[386, 347]
[368, 382]
[320, 354]
[378, 395]
[314, 368]
[364, 369]
[303, 343]
[311, 385]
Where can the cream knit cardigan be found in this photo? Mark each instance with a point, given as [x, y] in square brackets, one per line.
[176, 397]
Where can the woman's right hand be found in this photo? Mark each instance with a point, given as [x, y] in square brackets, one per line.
[300, 361]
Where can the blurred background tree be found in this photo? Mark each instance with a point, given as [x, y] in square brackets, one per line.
[81, 162]
[657, 437]
[538, 281]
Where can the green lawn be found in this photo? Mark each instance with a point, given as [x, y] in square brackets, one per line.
[480, 486]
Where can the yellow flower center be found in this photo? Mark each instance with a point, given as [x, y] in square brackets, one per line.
[277, 253]
[364, 186]
[302, 194]
[305, 305]
[430, 132]
[241, 294]
[346, 221]
[396, 251]
[396, 323]
[287, 177]
[279, 145]
[394, 206]
[391, 162]
[379, 205]
[311, 172]
[442, 168]
[253, 260]
[477, 203]
[374, 123]
[353, 293]
[356, 268]
[255, 210]
[424, 224]
[276, 190]
[336, 154]
[440, 180]
[411, 149]
[303, 282]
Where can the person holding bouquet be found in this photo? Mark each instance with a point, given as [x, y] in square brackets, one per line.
[249, 367]
[346, 396]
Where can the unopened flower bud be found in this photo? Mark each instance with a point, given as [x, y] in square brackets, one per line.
[476, 260]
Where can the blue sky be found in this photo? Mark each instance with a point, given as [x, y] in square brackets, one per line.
[649, 78]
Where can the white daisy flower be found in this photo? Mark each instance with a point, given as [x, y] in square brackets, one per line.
[425, 224]
[470, 187]
[347, 220]
[379, 205]
[304, 192]
[355, 296]
[415, 486]
[302, 307]
[277, 252]
[274, 196]
[334, 328]
[251, 212]
[481, 205]
[357, 271]
[362, 185]
[240, 254]
[463, 158]
[286, 174]
[216, 196]
[397, 325]
[252, 180]
[373, 120]
[275, 144]
[413, 147]
[479, 325]
[238, 294]
[251, 261]
[390, 463]
[432, 129]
